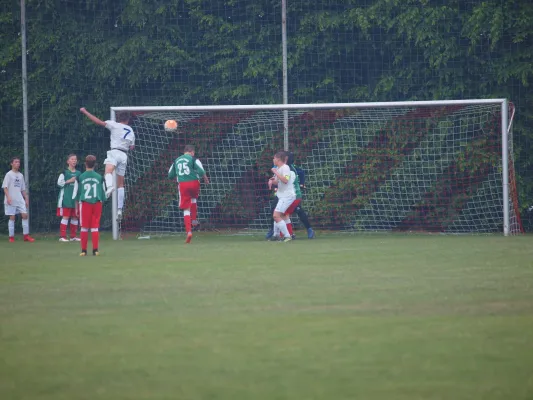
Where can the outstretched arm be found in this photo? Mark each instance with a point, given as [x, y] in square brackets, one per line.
[96, 120]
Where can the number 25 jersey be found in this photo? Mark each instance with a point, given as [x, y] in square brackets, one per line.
[186, 168]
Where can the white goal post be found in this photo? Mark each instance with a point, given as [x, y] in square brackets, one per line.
[385, 166]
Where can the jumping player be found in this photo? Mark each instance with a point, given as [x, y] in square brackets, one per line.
[122, 141]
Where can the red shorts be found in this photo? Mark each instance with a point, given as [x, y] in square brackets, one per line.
[293, 206]
[90, 214]
[66, 212]
[188, 191]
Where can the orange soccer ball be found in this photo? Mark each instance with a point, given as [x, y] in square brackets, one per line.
[171, 125]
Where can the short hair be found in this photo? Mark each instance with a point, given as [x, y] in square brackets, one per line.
[71, 155]
[123, 116]
[281, 155]
[13, 159]
[90, 161]
[188, 148]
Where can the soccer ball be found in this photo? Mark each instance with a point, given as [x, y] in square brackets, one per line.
[171, 125]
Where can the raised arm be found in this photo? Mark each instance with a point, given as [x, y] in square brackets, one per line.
[96, 120]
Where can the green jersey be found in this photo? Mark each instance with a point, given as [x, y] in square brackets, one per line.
[91, 187]
[186, 168]
[296, 182]
[69, 191]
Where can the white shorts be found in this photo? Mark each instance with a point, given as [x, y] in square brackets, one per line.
[284, 203]
[119, 159]
[14, 210]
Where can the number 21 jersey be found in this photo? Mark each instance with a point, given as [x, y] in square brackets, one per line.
[91, 188]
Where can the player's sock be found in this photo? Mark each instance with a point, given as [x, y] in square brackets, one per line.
[63, 228]
[73, 228]
[303, 217]
[194, 212]
[108, 180]
[282, 226]
[11, 227]
[187, 221]
[95, 236]
[84, 238]
[120, 192]
[289, 225]
[25, 227]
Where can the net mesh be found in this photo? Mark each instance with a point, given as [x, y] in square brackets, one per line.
[408, 169]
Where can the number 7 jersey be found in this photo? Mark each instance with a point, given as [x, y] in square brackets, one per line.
[91, 187]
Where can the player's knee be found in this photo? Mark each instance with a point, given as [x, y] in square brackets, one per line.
[24, 216]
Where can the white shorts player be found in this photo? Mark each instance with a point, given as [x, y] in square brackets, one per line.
[119, 159]
[284, 203]
[122, 141]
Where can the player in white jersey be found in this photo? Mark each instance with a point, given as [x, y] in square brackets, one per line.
[122, 141]
[284, 178]
[16, 200]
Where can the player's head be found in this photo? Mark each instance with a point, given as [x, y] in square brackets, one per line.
[15, 163]
[279, 158]
[290, 157]
[72, 160]
[123, 117]
[189, 149]
[90, 161]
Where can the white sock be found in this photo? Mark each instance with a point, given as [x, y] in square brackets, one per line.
[73, 221]
[11, 227]
[108, 180]
[276, 229]
[64, 221]
[120, 192]
[25, 227]
[282, 226]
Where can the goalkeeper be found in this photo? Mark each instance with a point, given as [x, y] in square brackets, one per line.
[299, 184]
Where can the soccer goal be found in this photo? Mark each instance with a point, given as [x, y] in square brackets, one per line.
[428, 166]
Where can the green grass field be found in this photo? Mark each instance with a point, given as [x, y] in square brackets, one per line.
[232, 317]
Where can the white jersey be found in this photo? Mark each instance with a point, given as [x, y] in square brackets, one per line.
[122, 136]
[286, 190]
[14, 182]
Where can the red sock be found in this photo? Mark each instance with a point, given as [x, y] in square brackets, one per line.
[194, 211]
[187, 220]
[289, 228]
[84, 239]
[73, 230]
[95, 236]
[63, 230]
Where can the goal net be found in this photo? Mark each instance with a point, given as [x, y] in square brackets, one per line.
[399, 167]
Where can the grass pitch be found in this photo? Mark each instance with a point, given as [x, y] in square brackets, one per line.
[338, 317]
